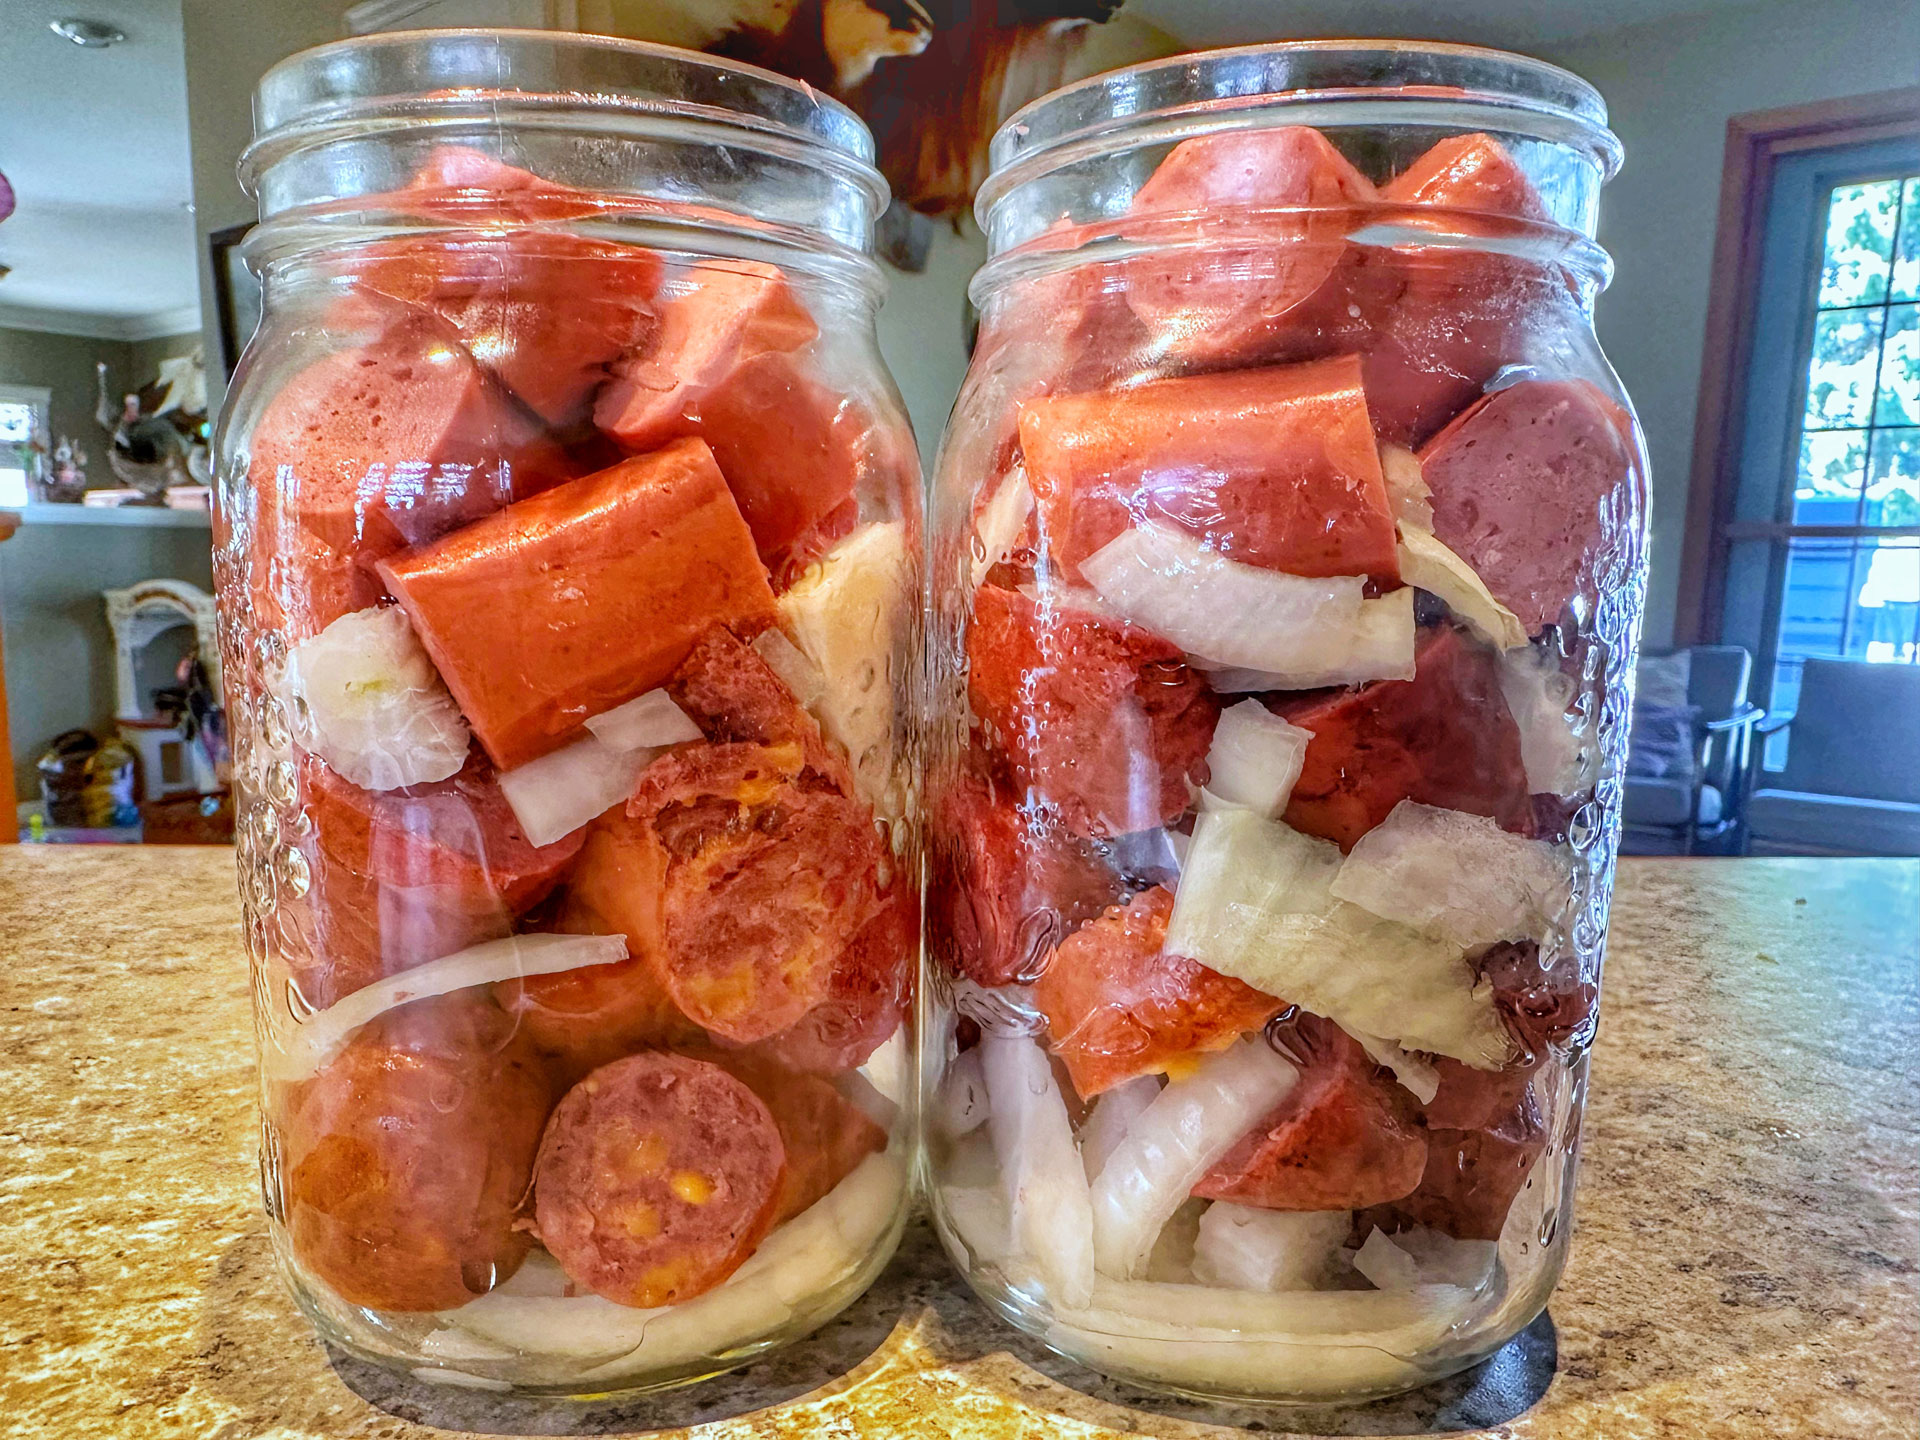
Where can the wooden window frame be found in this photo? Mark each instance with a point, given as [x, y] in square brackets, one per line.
[1755, 142]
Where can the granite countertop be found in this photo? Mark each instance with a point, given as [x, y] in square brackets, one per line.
[1744, 1264]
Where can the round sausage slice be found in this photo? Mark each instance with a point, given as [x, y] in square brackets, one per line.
[658, 1175]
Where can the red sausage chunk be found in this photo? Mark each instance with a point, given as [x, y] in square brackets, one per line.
[1520, 484]
[1117, 1007]
[771, 873]
[406, 1159]
[1467, 172]
[1343, 1139]
[573, 602]
[1472, 1176]
[1275, 467]
[721, 367]
[1006, 885]
[1443, 738]
[401, 877]
[392, 443]
[658, 1175]
[1103, 721]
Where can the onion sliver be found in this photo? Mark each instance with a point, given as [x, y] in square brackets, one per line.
[1245, 1247]
[1556, 746]
[1046, 1188]
[650, 721]
[1378, 645]
[1385, 1264]
[321, 1038]
[1416, 1076]
[1219, 610]
[1112, 1116]
[999, 524]
[1255, 758]
[1175, 1141]
[1456, 876]
[555, 795]
[846, 614]
[1407, 490]
[365, 698]
[795, 1265]
[1256, 902]
[974, 1218]
[1427, 563]
[960, 1104]
[796, 671]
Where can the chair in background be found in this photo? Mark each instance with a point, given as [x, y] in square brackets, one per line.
[1698, 805]
[1852, 782]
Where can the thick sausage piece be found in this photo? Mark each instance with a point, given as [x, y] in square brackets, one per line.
[1103, 719]
[1444, 738]
[1117, 1007]
[393, 443]
[580, 599]
[867, 997]
[1467, 172]
[658, 1175]
[826, 1136]
[1343, 1138]
[1229, 303]
[1275, 467]
[406, 1159]
[1472, 1176]
[772, 871]
[401, 877]
[721, 366]
[1006, 885]
[1519, 486]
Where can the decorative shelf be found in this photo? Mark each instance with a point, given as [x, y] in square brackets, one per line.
[155, 517]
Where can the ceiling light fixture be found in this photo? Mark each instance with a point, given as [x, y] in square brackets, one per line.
[92, 34]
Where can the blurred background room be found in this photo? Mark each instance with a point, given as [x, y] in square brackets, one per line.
[1765, 314]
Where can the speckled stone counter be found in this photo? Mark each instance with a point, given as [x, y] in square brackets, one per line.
[1744, 1266]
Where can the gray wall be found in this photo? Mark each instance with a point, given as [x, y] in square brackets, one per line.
[1671, 88]
[59, 650]
[64, 364]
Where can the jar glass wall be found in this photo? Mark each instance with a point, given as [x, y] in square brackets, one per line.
[1287, 558]
[568, 552]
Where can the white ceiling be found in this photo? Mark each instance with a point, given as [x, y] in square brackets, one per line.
[95, 144]
[1523, 25]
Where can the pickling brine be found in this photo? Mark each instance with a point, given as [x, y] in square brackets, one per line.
[568, 553]
[1288, 554]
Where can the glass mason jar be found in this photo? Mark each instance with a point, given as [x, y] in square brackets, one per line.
[1287, 558]
[568, 556]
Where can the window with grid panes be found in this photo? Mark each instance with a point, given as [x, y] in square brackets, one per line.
[1850, 582]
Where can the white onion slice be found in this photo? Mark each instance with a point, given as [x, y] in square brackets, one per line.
[1455, 876]
[555, 795]
[1556, 746]
[1243, 1247]
[1440, 1259]
[365, 698]
[1343, 1316]
[1046, 1188]
[999, 524]
[796, 671]
[1113, 1115]
[1427, 563]
[1256, 902]
[888, 1069]
[320, 1039]
[1385, 1264]
[1378, 645]
[960, 1105]
[1175, 1141]
[1407, 490]
[795, 1267]
[1219, 610]
[1416, 1076]
[846, 615]
[649, 721]
[975, 1216]
[1255, 758]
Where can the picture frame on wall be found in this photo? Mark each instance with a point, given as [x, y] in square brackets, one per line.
[236, 293]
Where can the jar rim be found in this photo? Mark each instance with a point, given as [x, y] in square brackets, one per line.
[1244, 87]
[394, 77]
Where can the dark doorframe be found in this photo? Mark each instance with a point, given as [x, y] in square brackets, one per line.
[1755, 143]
